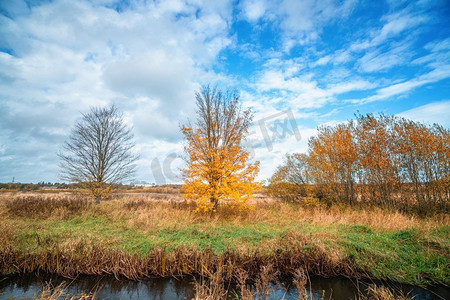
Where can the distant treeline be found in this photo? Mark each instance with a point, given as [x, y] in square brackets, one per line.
[17, 186]
[34, 186]
[382, 160]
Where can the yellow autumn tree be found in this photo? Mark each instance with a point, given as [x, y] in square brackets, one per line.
[218, 169]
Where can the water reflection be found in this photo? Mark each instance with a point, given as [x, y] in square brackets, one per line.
[344, 289]
[30, 286]
[106, 287]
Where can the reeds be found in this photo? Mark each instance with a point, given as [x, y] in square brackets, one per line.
[215, 288]
[50, 292]
[260, 287]
[300, 281]
[289, 253]
[161, 189]
[242, 278]
[40, 206]
[91, 258]
[375, 292]
[211, 288]
[143, 211]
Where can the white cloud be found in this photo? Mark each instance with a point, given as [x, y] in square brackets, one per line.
[395, 24]
[323, 60]
[378, 60]
[436, 112]
[153, 74]
[314, 15]
[66, 56]
[342, 56]
[401, 88]
[439, 54]
[253, 10]
[349, 86]
[440, 45]
[59, 58]
[272, 157]
[302, 91]
[391, 44]
[301, 22]
[339, 57]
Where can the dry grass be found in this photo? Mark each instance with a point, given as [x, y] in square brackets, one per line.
[212, 288]
[46, 206]
[375, 292]
[50, 292]
[149, 213]
[300, 281]
[260, 287]
[163, 189]
[88, 257]
[163, 209]
[145, 212]
[242, 278]
[215, 288]
[69, 235]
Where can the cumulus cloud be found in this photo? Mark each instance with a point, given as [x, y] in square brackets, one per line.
[66, 56]
[153, 74]
[253, 10]
[305, 58]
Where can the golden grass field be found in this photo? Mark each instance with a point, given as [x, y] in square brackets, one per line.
[136, 235]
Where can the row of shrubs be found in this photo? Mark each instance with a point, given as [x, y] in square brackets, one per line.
[385, 161]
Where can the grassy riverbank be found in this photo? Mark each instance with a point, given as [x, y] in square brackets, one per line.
[134, 236]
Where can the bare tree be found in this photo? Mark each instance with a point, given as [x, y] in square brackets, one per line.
[98, 152]
[291, 180]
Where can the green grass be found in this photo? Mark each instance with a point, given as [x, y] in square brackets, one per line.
[117, 236]
[400, 255]
[410, 256]
[218, 238]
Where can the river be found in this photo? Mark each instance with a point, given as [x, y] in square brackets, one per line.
[30, 286]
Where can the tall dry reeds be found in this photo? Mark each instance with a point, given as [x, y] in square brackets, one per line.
[300, 280]
[142, 211]
[212, 287]
[33, 206]
[260, 287]
[89, 257]
[375, 292]
[51, 292]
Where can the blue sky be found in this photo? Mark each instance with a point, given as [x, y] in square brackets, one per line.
[297, 64]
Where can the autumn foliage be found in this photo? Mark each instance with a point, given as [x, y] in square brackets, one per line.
[218, 170]
[385, 161]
